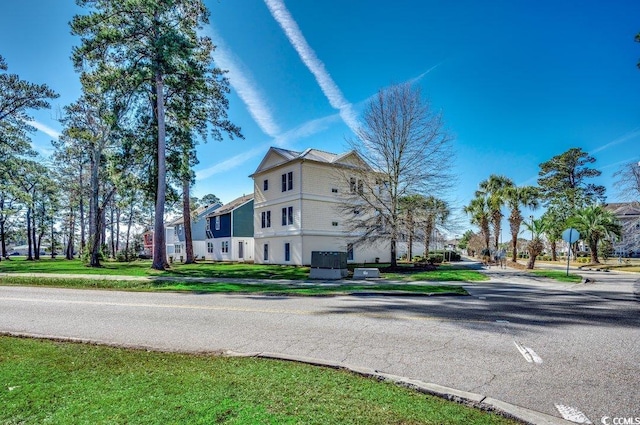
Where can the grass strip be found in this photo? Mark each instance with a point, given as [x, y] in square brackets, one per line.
[442, 274]
[558, 275]
[309, 289]
[67, 383]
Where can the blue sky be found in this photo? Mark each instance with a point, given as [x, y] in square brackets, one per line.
[517, 81]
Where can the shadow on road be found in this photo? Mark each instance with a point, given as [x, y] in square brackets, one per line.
[518, 304]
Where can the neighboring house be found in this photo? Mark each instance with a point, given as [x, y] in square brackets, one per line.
[296, 208]
[147, 241]
[199, 228]
[628, 214]
[230, 231]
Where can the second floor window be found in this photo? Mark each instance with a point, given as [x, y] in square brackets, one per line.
[265, 185]
[287, 181]
[266, 219]
[287, 216]
[217, 222]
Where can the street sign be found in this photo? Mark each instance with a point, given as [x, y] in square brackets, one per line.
[570, 235]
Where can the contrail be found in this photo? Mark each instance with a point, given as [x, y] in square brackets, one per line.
[313, 63]
[45, 129]
[628, 136]
[244, 86]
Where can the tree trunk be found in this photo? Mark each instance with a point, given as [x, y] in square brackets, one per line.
[29, 236]
[535, 248]
[83, 236]
[554, 251]
[427, 238]
[117, 244]
[159, 249]
[394, 261]
[593, 247]
[129, 224]
[186, 216]
[3, 248]
[69, 249]
[514, 246]
[94, 212]
[112, 233]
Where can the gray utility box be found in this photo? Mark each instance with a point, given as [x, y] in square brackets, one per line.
[328, 265]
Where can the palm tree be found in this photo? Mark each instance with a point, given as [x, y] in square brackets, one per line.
[594, 224]
[436, 211]
[493, 189]
[555, 226]
[410, 206]
[516, 197]
[535, 247]
[479, 212]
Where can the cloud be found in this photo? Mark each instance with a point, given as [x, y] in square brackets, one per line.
[244, 86]
[45, 129]
[313, 63]
[625, 137]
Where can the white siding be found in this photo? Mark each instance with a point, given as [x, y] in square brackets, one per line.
[315, 209]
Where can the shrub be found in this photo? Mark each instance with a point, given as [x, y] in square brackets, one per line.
[435, 258]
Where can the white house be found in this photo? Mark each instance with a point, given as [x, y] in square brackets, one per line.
[628, 215]
[296, 208]
[199, 223]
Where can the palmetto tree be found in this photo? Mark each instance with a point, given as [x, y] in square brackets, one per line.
[410, 207]
[537, 228]
[494, 190]
[479, 212]
[436, 211]
[594, 224]
[516, 197]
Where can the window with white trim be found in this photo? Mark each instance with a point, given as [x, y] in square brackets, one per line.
[287, 216]
[217, 222]
[210, 247]
[287, 181]
[224, 247]
[287, 251]
[265, 219]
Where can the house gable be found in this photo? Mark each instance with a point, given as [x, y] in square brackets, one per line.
[274, 158]
[351, 159]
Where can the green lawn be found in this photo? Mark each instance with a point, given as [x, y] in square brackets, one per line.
[64, 383]
[183, 277]
[143, 268]
[265, 288]
[444, 273]
[558, 275]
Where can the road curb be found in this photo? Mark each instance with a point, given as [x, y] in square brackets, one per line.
[470, 399]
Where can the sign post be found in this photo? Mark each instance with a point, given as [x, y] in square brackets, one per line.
[571, 236]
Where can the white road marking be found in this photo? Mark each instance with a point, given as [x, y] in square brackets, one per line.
[572, 414]
[528, 353]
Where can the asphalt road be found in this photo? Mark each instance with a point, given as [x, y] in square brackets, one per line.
[566, 350]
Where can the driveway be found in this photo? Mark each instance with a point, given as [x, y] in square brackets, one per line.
[565, 350]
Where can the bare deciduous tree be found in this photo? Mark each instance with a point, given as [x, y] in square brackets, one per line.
[407, 151]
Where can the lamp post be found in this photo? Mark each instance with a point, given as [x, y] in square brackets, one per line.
[531, 218]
